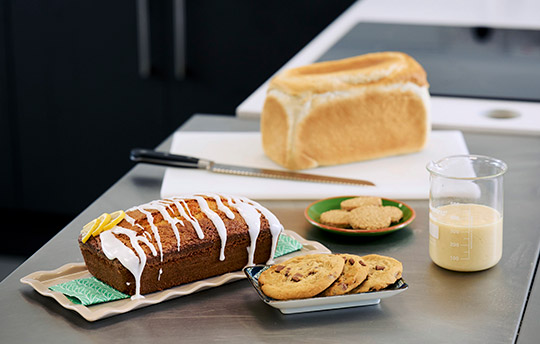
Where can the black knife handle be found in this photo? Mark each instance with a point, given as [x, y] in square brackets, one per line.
[163, 158]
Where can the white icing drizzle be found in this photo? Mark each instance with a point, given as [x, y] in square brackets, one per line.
[169, 204]
[134, 262]
[220, 205]
[134, 259]
[180, 204]
[147, 235]
[159, 206]
[217, 221]
[275, 226]
[153, 226]
[131, 221]
[253, 221]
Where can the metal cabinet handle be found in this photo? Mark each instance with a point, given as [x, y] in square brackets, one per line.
[143, 35]
[179, 37]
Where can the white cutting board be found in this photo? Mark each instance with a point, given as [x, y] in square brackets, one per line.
[399, 177]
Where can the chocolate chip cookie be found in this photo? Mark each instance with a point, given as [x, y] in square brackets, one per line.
[301, 277]
[383, 271]
[354, 272]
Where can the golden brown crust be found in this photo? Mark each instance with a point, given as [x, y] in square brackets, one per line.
[198, 265]
[369, 126]
[375, 69]
[344, 111]
[276, 128]
[196, 259]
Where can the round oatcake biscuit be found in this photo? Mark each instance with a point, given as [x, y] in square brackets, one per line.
[394, 212]
[335, 218]
[301, 277]
[383, 271]
[370, 217]
[360, 201]
[354, 272]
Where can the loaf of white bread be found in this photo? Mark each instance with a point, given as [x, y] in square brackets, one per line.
[337, 112]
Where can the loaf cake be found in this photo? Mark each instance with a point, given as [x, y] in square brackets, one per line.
[343, 111]
[169, 242]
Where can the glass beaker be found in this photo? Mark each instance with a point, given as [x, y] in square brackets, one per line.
[466, 212]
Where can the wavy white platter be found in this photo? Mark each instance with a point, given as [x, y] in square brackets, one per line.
[42, 280]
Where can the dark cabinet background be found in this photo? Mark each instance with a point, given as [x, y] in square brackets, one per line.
[73, 103]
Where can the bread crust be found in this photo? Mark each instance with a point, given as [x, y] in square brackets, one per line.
[277, 127]
[336, 112]
[375, 69]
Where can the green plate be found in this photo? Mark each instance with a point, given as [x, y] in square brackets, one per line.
[315, 209]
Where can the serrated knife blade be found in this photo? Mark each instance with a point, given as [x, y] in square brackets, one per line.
[174, 160]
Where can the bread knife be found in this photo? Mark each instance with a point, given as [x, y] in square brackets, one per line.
[167, 159]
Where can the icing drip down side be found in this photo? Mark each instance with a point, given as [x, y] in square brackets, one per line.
[134, 258]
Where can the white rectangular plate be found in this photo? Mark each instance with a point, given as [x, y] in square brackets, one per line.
[42, 280]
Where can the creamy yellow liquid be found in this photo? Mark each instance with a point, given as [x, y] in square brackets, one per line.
[465, 237]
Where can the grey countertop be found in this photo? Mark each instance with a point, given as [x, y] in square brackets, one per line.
[499, 305]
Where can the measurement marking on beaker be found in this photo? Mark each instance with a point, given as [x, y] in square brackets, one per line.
[462, 244]
[468, 245]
